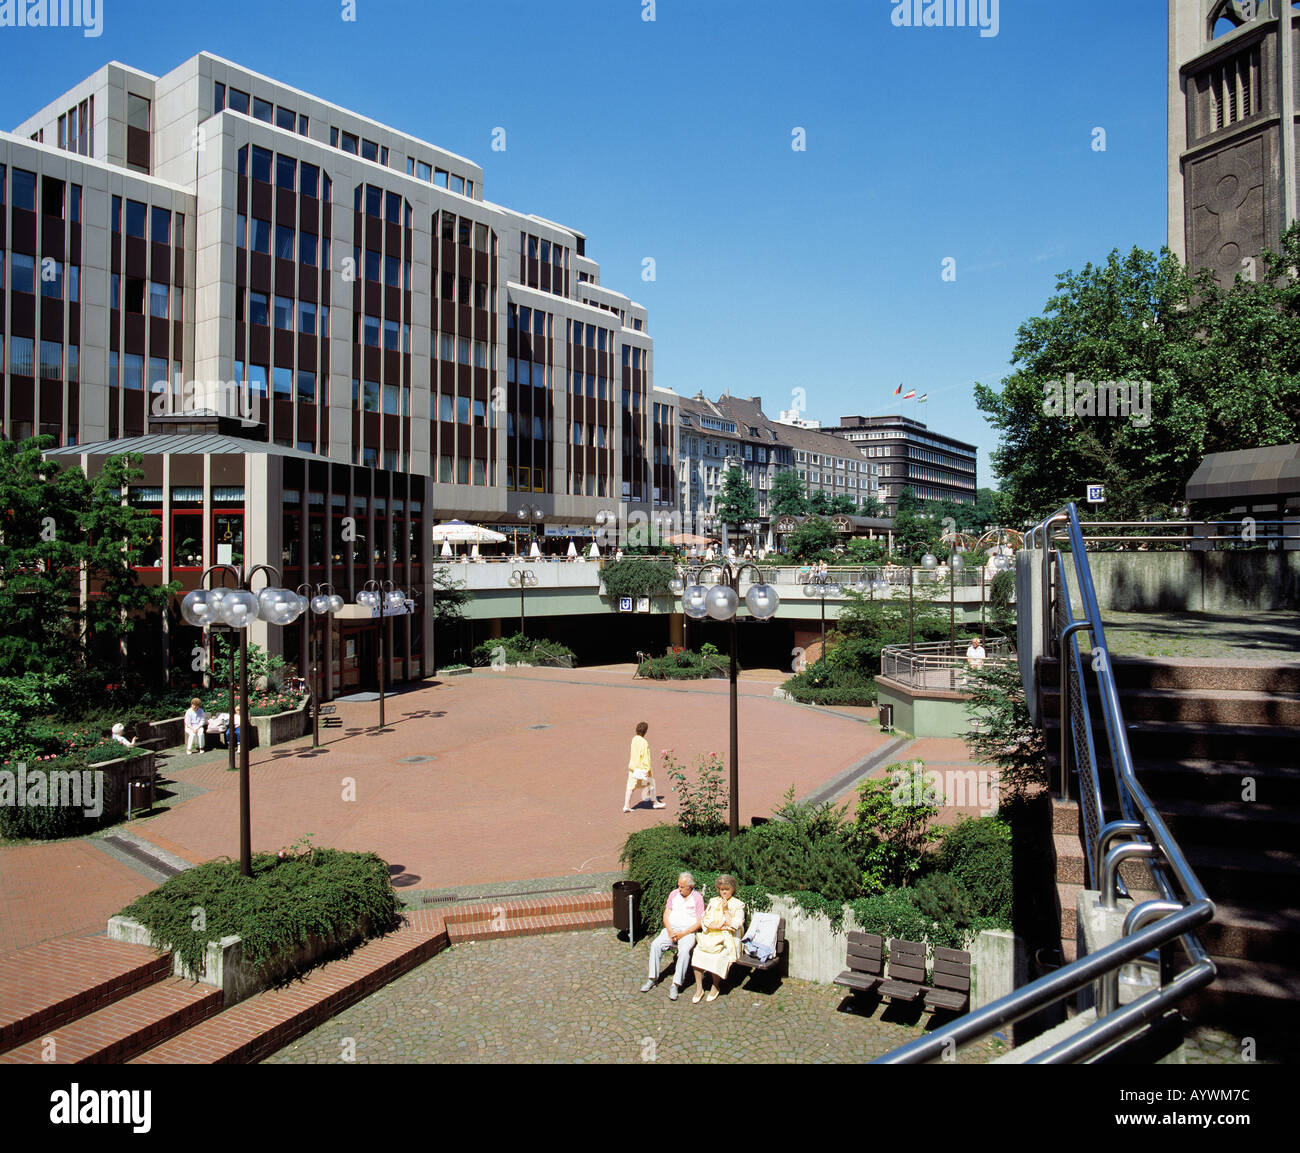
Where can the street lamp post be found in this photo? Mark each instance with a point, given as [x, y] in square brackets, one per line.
[522, 579]
[322, 604]
[389, 600]
[238, 608]
[529, 514]
[830, 589]
[721, 601]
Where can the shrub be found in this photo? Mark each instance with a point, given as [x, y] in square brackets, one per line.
[892, 831]
[976, 852]
[703, 803]
[825, 683]
[892, 913]
[637, 577]
[522, 650]
[684, 665]
[288, 899]
[943, 898]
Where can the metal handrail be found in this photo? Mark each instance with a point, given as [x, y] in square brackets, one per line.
[1178, 916]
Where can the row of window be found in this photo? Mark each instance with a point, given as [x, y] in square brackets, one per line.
[397, 337]
[159, 296]
[463, 410]
[53, 275]
[282, 382]
[461, 230]
[77, 128]
[457, 350]
[366, 395]
[381, 205]
[55, 195]
[438, 176]
[462, 473]
[159, 222]
[290, 174]
[256, 234]
[22, 362]
[594, 437]
[127, 369]
[239, 101]
[313, 319]
[351, 143]
[395, 273]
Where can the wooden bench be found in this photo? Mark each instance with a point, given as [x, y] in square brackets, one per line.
[906, 980]
[951, 985]
[753, 964]
[866, 964]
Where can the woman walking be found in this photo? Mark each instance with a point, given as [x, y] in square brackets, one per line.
[639, 773]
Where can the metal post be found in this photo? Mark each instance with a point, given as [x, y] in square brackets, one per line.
[911, 620]
[735, 741]
[382, 661]
[521, 604]
[983, 635]
[315, 690]
[952, 606]
[1064, 665]
[823, 651]
[230, 677]
[245, 805]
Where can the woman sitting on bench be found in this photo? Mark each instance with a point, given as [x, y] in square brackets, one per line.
[717, 945]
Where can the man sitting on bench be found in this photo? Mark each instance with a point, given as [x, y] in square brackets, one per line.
[682, 917]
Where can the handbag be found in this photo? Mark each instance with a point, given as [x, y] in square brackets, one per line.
[641, 776]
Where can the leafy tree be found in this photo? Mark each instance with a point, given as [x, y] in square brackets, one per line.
[737, 504]
[786, 496]
[1006, 736]
[915, 530]
[872, 506]
[844, 504]
[812, 538]
[56, 528]
[819, 504]
[447, 596]
[1223, 366]
[893, 818]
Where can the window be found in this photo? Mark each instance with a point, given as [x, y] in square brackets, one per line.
[462, 410]
[243, 161]
[307, 318]
[52, 197]
[423, 171]
[74, 201]
[282, 381]
[445, 408]
[261, 109]
[448, 352]
[392, 272]
[51, 360]
[440, 178]
[324, 320]
[286, 172]
[372, 266]
[218, 98]
[52, 278]
[74, 283]
[261, 164]
[462, 350]
[257, 380]
[285, 118]
[239, 101]
[372, 331]
[137, 111]
[283, 242]
[133, 371]
[393, 208]
[458, 184]
[391, 334]
[370, 396]
[374, 201]
[369, 150]
[306, 386]
[114, 291]
[135, 216]
[257, 308]
[241, 230]
[480, 354]
[158, 299]
[391, 399]
[24, 274]
[284, 313]
[307, 248]
[302, 125]
[349, 143]
[261, 235]
[309, 177]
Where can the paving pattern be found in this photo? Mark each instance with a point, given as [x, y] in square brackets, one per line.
[574, 998]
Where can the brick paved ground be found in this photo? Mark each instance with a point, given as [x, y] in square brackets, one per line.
[573, 997]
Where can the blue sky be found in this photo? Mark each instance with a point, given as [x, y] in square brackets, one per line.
[775, 268]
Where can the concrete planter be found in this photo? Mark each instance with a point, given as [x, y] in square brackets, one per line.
[224, 966]
[117, 777]
[464, 671]
[817, 952]
[276, 728]
[171, 730]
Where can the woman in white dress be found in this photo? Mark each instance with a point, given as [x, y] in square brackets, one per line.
[718, 943]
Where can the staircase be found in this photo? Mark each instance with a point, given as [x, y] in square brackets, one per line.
[1203, 735]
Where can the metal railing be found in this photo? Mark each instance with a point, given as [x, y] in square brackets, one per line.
[937, 664]
[1164, 924]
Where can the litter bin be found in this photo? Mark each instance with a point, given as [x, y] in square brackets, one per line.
[140, 795]
[887, 717]
[627, 906]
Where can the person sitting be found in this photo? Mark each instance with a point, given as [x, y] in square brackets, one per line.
[718, 944]
[195, 725]
[218, 727]
[119, 735]
[682, 914]
[975, 654]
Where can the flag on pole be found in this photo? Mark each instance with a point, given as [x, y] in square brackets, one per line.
[923, 396]
[898, 390]
[909, 394]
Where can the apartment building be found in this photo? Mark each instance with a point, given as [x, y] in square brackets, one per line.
[318, 331]
[907, 454]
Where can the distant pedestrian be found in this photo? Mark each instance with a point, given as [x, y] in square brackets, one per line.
[639, 773]
[195, 725]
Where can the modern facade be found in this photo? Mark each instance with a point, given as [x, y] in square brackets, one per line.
[910, 455]
[1233, 155]
[286, 305]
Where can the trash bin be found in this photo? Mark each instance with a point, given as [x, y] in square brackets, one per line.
[887, 717]
[627, 906]
[140, 795]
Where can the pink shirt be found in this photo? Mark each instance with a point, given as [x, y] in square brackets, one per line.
[683, 912]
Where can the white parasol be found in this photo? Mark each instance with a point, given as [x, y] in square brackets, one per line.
[474, 551]
[594, 551]
[446, 549]
[573, 549]
[458, 532]
[535, 552]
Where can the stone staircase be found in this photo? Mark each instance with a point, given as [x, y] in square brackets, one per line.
[1216, 745]
[90, 1000]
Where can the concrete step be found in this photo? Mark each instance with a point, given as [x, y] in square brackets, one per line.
[1206, 675]
[1195, 706]
[57, 981]
[1248, 995]
[123, 1028]
[530, 926]
[1247, 932]
[1065, 817]
[1150, 740]
[1230, 823]
[1258, 877]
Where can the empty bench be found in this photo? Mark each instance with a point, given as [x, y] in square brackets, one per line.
[906, 982]
[865, 960]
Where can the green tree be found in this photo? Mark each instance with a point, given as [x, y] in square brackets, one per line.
[893, 825]
[1223, 365]
[843, 503]
[916, 531]
[872, 506]
[812, 538]
[1004, 734]
[786, 496]
[819, 504]
[56, 528]
[737, 504]
[447, 596]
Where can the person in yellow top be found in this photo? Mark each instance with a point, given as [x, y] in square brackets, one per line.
[639, 773]
[718, 944]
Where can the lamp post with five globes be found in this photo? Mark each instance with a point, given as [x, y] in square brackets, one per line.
[238, 608]
[721, 601]
[386, 598]
[323, 604]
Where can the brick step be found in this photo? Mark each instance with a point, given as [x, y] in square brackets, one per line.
[524, 926]
[1248, 995]
[504, 912]
[123, 1028]
[1065, 817]
[1230, 823]
[50, 984]
[1207, 675]
[1195, 706]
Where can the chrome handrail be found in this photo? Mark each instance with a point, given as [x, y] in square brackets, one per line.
[1177, 916]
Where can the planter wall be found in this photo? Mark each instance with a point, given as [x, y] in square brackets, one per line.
[224, 965]
[277, 728]
[117, 776]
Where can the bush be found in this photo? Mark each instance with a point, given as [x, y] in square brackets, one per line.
[976, 852]
[892, 831]
[684, 665]
[826, 683]
[703, 804]
[943, 898]
[289, 898]
[637, 577]
[50, 820]
[522, 650]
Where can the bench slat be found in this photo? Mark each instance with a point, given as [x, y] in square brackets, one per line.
[871, 940]
[951, 981]
[899, 948]
[900, 990]
[941, 1000]
[914, 974]
[857, 982]
[865, 951]
[958, 968]
[943, 953]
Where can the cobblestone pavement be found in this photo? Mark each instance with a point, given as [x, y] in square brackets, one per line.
[1206, 1046]
[573, 997]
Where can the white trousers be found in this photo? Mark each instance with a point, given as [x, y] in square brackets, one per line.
[190, 734]
[684, 946]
